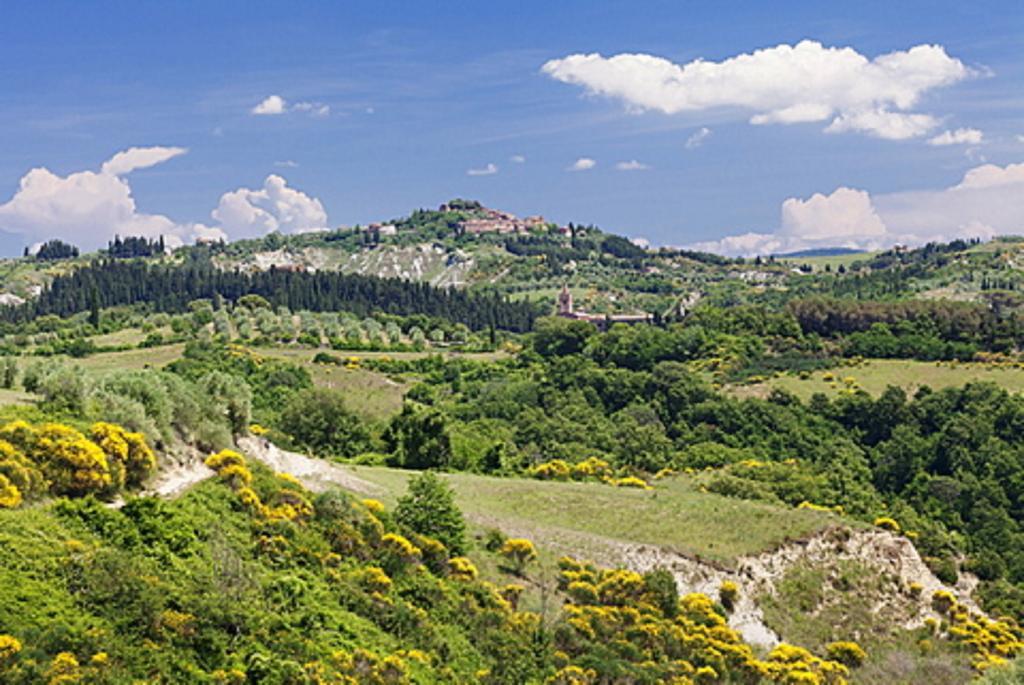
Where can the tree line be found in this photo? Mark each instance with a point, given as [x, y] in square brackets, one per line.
[169, 288]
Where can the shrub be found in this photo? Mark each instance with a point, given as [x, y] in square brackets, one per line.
[428, 508]
[887, 523]
[73, 465]
[318, 420]
[10, 496]
[9, 648]
[728, 593]
[494, 539]
[462, 568]
[660, 584]
[520, 552]
[943, 601]
[847, 653]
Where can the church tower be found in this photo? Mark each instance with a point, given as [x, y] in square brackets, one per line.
[565, 301]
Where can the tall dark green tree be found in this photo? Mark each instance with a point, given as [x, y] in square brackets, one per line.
[429, 508]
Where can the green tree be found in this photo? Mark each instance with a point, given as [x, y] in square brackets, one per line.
[418, 439]
[318, 420]
[428, 508]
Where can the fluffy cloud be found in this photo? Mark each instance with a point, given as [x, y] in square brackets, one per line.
[275, 105]
[582, 164]
[988, 201]
[488, 170]
[786, 84]
[631, 165]
[698, 138]
[274, 207]
[517, 159]
[271, 106]
[88, 207]
[846, 214]
[961, 136]
[990, 175]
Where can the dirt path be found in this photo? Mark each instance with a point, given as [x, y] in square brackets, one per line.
[316, 474]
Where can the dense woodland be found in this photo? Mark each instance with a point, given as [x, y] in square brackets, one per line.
[169, 288]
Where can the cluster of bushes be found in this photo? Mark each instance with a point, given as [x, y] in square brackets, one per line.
[251, 578]
[55, 459]
[204, 409]
[943, 463]
[622, 626]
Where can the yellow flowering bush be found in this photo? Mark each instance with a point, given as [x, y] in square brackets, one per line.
[519, 551]
[591, 467]
[462, 568]
[991, 642]
[943, 601]
[838, 509]
[556, 469]
[10, 646]
[728, 593]
[131, 459]
[573, 675]
[20, 471]
[73, 464]
[374, 579]
[845, 652]
[178, 623]
[618, 612]
[64, 669]
[223, 459]
[887, 523]
[630, 482]
[10, 495]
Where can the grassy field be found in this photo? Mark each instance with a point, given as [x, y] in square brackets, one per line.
[126, 336]
[594, 520]
[154, 357]
[371, 394]
[875, 375]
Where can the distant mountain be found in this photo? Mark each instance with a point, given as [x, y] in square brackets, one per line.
[820, 252]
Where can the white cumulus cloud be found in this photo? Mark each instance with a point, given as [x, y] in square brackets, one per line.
[631, 165]
[961, 136]
[517, 159]
[88, 207]
[582, 164]
[488, 170]
[270, 106]
[988, 201]
[698, 138]
[274, 207]
[785, 84]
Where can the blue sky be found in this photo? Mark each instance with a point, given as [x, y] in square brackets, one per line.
[420, 93]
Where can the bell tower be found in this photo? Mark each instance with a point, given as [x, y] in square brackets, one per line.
[565, 301]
